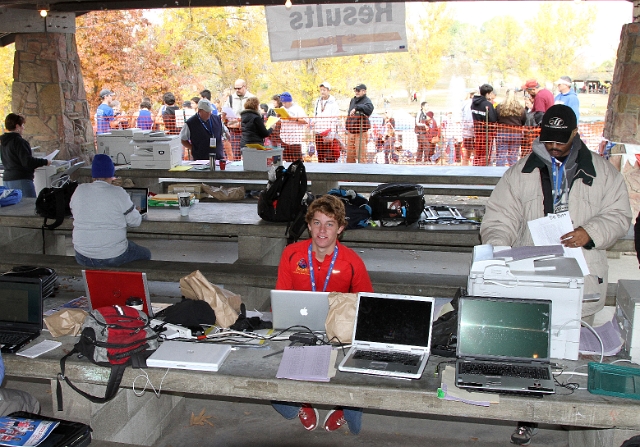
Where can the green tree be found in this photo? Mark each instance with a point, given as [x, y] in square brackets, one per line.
[502, 49]
[558, 32]
[117, 51]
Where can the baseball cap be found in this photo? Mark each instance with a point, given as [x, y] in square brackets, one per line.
[360, 87]
[325, 85]
[205, 105]
[102, 167]
[558, 123]
[286, 97]
[566, 80]
[531, 83]
[105, 91]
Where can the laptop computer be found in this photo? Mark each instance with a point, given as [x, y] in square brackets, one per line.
[139, 197]
[391, 335]
[106, 288]
[504, 345]
[299, 308]
[189, 355]
[20, 311]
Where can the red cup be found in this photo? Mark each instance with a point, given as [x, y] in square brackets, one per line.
[223, 164]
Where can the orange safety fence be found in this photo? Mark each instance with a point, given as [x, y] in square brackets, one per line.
[328, 140]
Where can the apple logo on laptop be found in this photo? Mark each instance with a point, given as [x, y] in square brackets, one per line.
[304, 311]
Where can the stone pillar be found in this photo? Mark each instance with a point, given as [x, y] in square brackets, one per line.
[48, 89]
[622, 123]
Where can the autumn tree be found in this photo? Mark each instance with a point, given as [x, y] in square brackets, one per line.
[557, 34]
[6, 79]
[503, 49]
[117, 51]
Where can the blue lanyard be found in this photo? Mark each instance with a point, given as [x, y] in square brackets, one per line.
[312, 274]
[209, 131]
[558, 180]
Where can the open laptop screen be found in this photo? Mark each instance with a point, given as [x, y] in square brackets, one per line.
[393, 321]
[106, 288]
[20, 302]
[139, 198]
[499, 328]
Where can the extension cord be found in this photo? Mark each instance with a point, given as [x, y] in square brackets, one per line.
[172, 330]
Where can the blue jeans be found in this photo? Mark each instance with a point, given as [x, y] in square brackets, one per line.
[134, 252]
[353, 416]
[507, 146]
[27, 187]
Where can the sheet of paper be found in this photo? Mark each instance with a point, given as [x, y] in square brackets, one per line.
[282, 112]
[230, 113]
[452, 392]
[52, 155]
[181, 168]
[549, 229]
[608, 333]
[271, 121]
[39, 349]
[305, 363]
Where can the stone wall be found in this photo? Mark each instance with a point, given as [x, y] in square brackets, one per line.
[48, 89]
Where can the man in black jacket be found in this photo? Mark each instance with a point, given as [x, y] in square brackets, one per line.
[202, 133]
[357, 124]
[483, 113]
[17, 158]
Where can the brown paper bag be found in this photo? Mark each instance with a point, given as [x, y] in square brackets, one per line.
[224, 303]
[224, 194]
[341, 316]
[65, 322]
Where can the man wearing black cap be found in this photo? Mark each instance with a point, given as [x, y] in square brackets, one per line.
[561, 175]
[104, 114]
[357, 124]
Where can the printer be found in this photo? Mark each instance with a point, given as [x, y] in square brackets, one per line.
[117, 144]
[155, 150]
[534, 273]
[48, 176]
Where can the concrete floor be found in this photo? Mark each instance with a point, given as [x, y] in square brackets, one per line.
[236, 423]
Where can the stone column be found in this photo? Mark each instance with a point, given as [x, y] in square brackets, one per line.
[622, 122]
[48, 89]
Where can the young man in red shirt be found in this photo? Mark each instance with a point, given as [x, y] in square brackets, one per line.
[323, 264]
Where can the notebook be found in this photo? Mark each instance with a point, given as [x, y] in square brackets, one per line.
[391, 335]
[189, 355]
[504, 345]
[139, 197]
[20, 311]
[106, 288]
[299, 308]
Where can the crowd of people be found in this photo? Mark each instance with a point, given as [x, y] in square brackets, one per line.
[481, 132]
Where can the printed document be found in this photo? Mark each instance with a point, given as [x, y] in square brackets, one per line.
[306, 363]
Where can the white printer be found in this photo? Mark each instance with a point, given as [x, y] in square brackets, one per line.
[48, 176]
[117, 144]
[155, 150]
[550, 277]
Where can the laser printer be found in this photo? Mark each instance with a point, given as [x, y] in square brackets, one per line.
[117, 144]
[534, 273]
[156, 150]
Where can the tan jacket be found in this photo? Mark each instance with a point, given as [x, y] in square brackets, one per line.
[602, 209]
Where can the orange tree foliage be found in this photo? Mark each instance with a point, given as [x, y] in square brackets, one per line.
[117, 51]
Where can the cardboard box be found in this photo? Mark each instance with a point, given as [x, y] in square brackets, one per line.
[194, 188]
[258, 160]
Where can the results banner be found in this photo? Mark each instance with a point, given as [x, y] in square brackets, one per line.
[330, 30]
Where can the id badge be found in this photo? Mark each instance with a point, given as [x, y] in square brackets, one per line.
[212, 142]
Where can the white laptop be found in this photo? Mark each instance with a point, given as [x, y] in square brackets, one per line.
[299, 308]
[391, 335]
[189, 355]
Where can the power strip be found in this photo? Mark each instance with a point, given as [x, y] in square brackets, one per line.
[172, 331]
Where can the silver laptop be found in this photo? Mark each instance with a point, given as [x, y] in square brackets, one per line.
[139, 197]
[299, 308]
[504, 345]
[391, 335]
[189, 355]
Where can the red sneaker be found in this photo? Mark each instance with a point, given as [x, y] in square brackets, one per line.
[308, 416]
[334, 420]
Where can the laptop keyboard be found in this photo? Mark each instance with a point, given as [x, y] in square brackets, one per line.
[13, 338]
[507, 370]
[389, 357]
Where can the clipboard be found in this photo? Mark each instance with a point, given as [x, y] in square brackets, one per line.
[282, 112]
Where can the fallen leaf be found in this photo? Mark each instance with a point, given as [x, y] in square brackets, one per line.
[200, 419]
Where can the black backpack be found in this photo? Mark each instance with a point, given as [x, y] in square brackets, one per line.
[54, 203]
[285, 199]
[357, 209]
[396, 203]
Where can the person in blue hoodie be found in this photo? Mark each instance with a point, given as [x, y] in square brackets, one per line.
[567, 95]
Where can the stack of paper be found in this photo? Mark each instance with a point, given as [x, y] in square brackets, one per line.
[311, 363]
[448, 391]
[608, 333]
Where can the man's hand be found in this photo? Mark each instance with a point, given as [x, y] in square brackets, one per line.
[576, 238]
